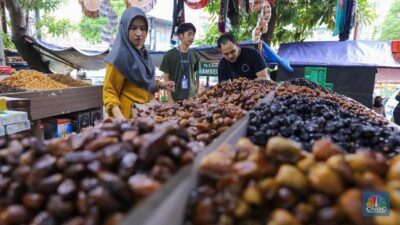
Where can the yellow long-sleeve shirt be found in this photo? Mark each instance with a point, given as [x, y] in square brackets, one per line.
[118, 91]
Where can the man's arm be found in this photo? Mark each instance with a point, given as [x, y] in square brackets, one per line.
[167, 77]
[196, 73]
[166, 68]
[260, 65]
[263, 74]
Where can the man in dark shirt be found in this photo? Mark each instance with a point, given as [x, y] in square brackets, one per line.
[239, 62]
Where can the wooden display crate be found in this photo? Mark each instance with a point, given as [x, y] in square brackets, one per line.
[44, 104]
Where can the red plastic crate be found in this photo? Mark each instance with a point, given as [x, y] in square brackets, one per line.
[396, 46]
[6, 69]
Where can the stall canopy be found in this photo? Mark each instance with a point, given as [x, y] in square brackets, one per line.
[94, 60]
[73, 57]
[343, 54]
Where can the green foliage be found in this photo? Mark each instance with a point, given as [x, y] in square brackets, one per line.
[48, 5]
[90, 29]
[54, 27]
[242, 32]
[7, 41]
[47, 23]
[118, 6]
[367, 13]
[45, 5]
[391, 24]
[295, 20]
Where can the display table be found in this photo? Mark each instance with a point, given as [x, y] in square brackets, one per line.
[44, 104]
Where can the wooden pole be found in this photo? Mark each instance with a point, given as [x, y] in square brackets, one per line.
[2, 55]
[356, 31]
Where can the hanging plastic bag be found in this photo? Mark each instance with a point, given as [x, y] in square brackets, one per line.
[256, 5]
[105, 6]
[262, 23]
[196, 4]
[145, 5]
[90, 8]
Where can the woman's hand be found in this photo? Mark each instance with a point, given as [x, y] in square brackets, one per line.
[117, 114]
[167, 85]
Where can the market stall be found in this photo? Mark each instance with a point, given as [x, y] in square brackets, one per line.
[48, 96]
[146, 165]
[351, 68]
[304, 153]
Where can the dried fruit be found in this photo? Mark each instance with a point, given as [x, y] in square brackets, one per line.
[291, 177]
[67, 80]
[32, 80]
[324, 179]
[282, 217]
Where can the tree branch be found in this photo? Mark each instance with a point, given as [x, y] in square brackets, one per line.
[16, 14]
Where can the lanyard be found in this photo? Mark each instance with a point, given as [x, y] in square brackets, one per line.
[184, 68]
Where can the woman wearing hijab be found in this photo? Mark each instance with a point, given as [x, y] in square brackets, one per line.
[130, 73]
[378, 106]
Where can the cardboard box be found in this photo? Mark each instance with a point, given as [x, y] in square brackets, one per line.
[96, 116]
[18, 127]
[57, 128]
[11, 117]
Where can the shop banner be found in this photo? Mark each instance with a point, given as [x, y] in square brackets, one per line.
[208, 69]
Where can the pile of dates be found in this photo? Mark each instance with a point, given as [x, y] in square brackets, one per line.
[9, 89]
[213, 111]
[281, 184]
[307, 83]
[91, 178]
[312, 90]
[306, 120]
[240, 92]
[203, 122]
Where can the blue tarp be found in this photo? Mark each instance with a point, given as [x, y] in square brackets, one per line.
[344, 53]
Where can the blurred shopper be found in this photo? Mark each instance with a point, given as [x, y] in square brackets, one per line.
[396, 112]
[130, 73]
[378, 106]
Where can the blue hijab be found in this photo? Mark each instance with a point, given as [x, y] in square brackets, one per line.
[134, 64]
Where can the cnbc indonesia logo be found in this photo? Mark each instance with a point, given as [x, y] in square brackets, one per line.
[376, 203]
